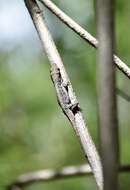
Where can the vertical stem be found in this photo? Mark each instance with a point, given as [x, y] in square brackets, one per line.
[106, 93]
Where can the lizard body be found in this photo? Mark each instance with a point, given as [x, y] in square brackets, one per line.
[62, 91]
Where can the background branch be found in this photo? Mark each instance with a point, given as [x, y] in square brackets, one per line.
[82, 33]
[123, 94]
[56, 174]
[51, 174]
[65, 92]
[107, 107]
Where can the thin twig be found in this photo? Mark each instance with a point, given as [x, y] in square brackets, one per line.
[123, 94]
[56, 174]
[82, 33]
[124, 168]
[65, 93]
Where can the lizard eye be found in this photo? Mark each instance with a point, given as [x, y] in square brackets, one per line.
[75, 108]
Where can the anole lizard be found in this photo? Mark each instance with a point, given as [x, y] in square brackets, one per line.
[62, 91]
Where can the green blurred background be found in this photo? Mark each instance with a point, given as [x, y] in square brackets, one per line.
[34, 133]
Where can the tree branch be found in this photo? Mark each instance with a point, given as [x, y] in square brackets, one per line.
[124, 168]
[82, 33]
[65, 93]
[51, 174]
[107, 107]
[123, 94]
[55, 174]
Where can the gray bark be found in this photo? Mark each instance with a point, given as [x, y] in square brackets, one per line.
[107, 94]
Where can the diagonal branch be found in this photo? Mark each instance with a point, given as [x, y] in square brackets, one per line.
[56, 174]
[82, 33]
[65, 94]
